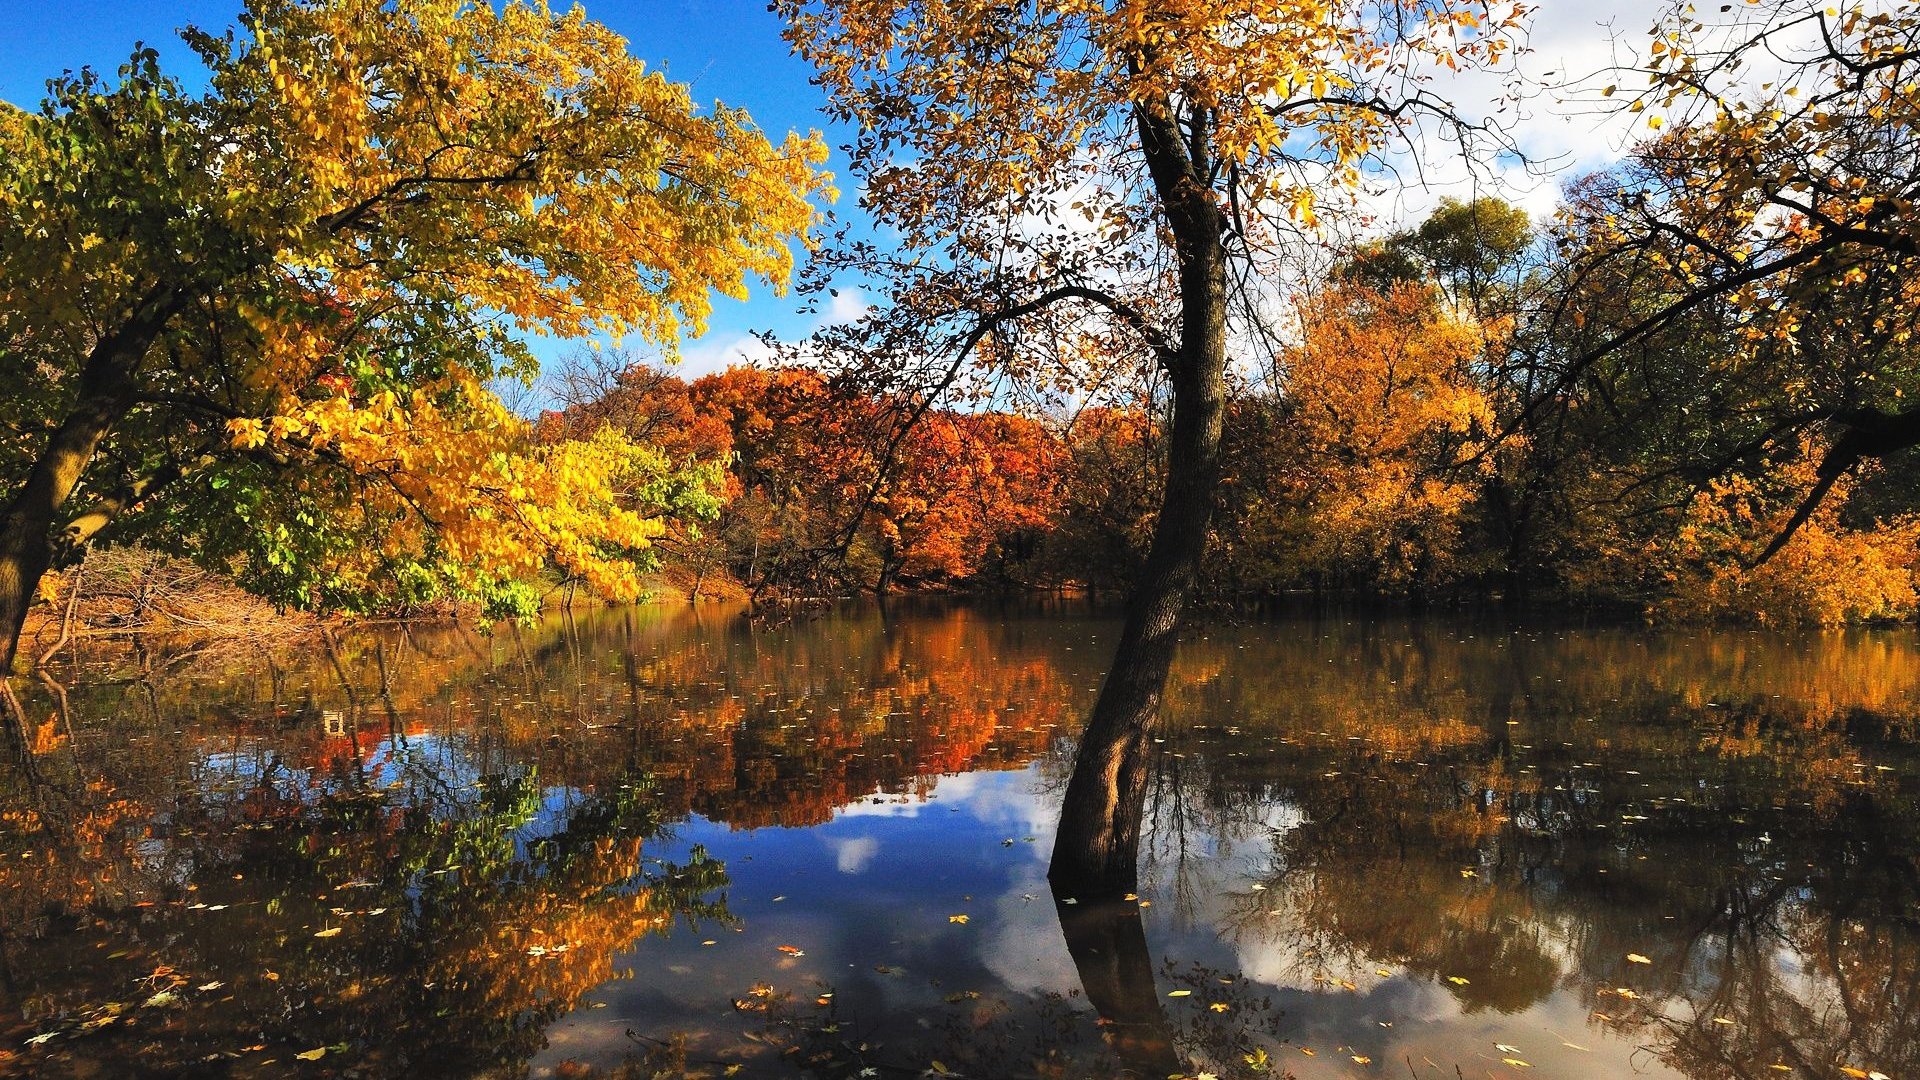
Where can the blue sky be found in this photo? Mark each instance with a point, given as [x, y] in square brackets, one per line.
[728, 50]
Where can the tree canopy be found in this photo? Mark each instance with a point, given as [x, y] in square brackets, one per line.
[262, 319]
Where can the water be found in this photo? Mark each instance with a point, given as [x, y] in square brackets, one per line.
[663, 842]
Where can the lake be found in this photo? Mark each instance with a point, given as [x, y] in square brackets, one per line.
[660, 841]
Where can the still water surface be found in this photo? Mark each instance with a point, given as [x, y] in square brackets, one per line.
[686, 842]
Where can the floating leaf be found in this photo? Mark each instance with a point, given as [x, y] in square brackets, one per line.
[1636, 958]
[1219, 1006]
[329, 932]
[314, 1054]
[961, 919]
[1179, 993]
[791, 950]
[1457, 980]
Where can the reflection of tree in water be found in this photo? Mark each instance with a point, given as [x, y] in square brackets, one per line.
[418, 938]
[1512, 828]
[489, 798]
[1520, 813]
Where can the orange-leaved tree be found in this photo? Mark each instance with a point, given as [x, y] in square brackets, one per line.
[261, 321]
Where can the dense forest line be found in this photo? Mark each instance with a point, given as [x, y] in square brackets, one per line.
[1392, 446]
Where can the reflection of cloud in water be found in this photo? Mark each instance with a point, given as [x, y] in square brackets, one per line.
[852, 855]
[1011, 799]
[1024, 948]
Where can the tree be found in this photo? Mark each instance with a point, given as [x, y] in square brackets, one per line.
[1380, 401]
[263, 319]
[1114, 171]
[1780, 214]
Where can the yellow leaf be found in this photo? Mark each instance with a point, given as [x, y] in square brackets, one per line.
[1636, 958]
[314, 1054]
[1179, 993]
[961, 919]
[329, 932]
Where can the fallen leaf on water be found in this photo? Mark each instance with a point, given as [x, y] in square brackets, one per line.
[791, 950]
[1179, 993]
[961, 919]
[1362, 1059]
[709, 941]
[329, 932]
[1457, 980]
[1219, 1006]
[1506, 1048]
[1722, 1020]
[314, 1054]
[215, 985]
[1636, 958]
[1383, 973]
[1516, 1063]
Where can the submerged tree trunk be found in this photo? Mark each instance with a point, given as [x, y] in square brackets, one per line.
[1096, 851]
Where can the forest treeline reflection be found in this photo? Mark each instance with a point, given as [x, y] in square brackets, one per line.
[221, 862]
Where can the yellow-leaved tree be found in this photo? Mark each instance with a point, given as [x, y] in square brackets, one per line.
[259, 322]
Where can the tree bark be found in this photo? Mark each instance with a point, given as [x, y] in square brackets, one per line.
[27, 526]
[1096, 851]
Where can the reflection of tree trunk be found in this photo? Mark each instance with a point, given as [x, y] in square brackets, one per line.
[1109, 949]
[1097, 848]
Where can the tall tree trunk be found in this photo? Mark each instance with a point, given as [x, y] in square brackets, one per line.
[27, 541]
[1096, 852]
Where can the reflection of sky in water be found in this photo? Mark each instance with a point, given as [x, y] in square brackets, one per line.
[876, 886]
[1407, 799]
